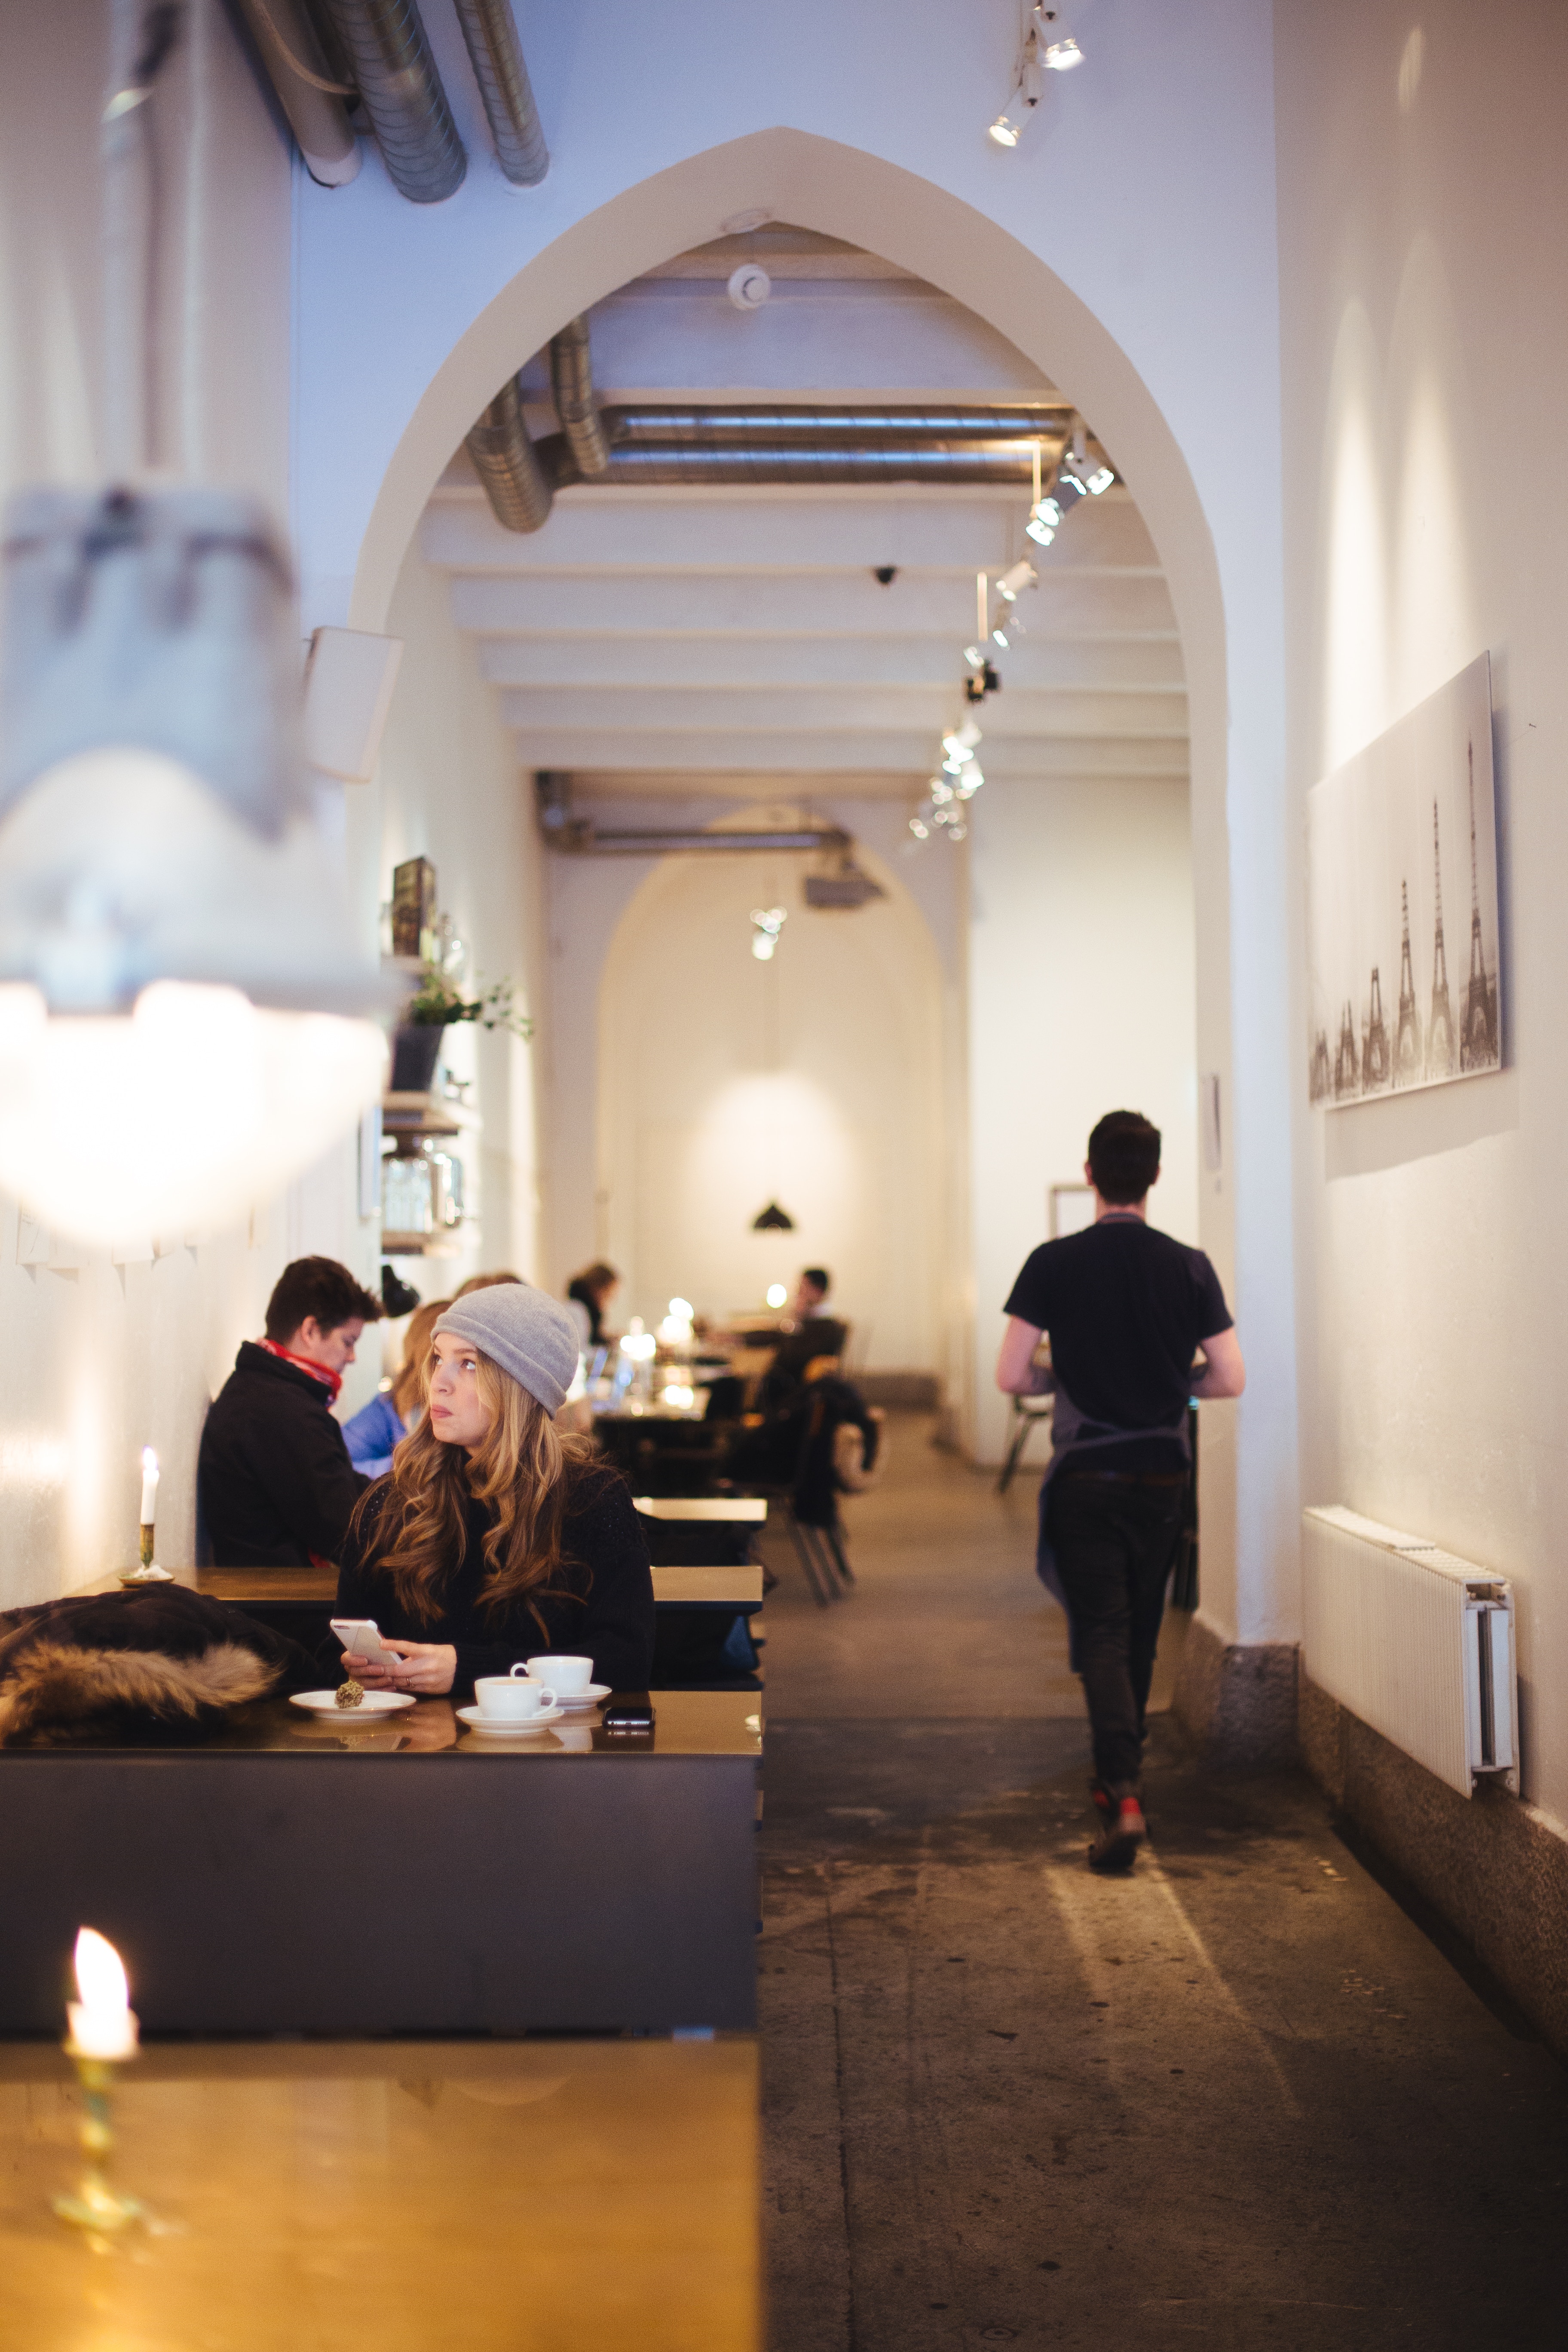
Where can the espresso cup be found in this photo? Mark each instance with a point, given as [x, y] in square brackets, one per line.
[512, 1698]
[568, 1675]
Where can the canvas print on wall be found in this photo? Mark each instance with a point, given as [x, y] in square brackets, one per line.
[1403, 908]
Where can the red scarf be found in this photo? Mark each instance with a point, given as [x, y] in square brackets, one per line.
[331, 1381]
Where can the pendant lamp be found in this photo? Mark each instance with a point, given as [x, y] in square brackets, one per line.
[773, 1220]
[183, 1005]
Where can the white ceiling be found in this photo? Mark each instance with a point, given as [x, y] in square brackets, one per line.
[736, 641]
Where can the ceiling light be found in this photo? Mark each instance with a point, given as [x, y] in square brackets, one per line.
[1018, 576]
[767, 922]
[999, 629]
[773, 1220]
[940, 792]
[748, 286]
[919, 828]
[1045, 521]
[1063, 54]
[1005, 131]
[959, 753]
[177, 957]
[976, 657]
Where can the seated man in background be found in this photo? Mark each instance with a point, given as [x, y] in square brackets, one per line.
[816, 1333]
[276, 1483]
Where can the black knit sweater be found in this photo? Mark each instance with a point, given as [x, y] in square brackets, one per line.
[604, 1610]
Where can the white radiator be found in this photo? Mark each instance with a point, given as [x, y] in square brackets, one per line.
[1415, 1643]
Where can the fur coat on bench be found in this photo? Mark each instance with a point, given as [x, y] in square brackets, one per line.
[114, 1668]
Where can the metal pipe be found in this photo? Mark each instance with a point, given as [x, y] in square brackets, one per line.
[489, 29]
[389, 56]
[506, 463]
[594, 844]
[311, 95]
[667, 447]
[571, 381]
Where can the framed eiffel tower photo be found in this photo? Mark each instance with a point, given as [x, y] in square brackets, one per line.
[1402, 922]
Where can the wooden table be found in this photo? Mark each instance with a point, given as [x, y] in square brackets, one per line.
[307, 1876]
[300, 1602]
[497, 2196]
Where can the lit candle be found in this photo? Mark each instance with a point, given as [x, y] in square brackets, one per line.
[101, 2024]
[149, 1485]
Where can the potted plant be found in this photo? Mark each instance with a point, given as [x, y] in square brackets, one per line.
[436, 1004]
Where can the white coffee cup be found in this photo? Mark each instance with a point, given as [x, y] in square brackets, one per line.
[513, 1697]
[568, 1675]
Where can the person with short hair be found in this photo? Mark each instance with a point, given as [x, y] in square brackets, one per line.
[811, 1292]
[380, 1426]
[498, 1536]
[277, 1486]
[587, 1296]
[1125, 1309]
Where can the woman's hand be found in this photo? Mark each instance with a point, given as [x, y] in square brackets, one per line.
[425, 1669]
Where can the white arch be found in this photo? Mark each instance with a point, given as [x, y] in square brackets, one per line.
[824, 185]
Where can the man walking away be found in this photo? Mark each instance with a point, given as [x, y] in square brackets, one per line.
[277, 1484]
[1125, 1310]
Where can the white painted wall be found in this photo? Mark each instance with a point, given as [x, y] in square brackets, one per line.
[815, 1079]
[1080, 1001]
[449, 790]
[1423, 182]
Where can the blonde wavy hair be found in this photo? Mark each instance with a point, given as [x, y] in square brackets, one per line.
[523, 1472]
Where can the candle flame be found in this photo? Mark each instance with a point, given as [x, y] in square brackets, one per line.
[99, 1974]
[148, 1463]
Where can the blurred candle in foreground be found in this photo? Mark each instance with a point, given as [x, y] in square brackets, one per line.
[149, 1485]
[777, 1293]
[101, 2024]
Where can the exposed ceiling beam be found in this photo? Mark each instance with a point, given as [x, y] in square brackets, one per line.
[1135, 665]
[827, 753]
[826, 604]
[849, 710]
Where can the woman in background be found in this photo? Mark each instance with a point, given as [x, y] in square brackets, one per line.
[587, 1296]
[390, 1415]
[496, 1538]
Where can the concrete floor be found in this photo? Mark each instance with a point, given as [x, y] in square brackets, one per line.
[1242, 2097]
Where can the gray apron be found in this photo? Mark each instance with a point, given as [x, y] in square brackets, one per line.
[1069, 1444]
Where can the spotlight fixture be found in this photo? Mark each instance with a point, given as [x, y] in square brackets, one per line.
[1048, 47]
[1018, 577]
[773, 1220]
[1045, 521]
[918, 828]
[976, 657]
[1060, 51]
[999, 628]
[767, 923]
[1089, 476]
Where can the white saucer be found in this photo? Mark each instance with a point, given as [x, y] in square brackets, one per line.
[491, 1726]
[574, 1702]
[373, 1703]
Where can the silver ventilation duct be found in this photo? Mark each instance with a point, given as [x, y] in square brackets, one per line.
[309, 90]
[825, 447]
[504, 460]
[390, 59]
[561, 829]
[571, 381]
[507, 462]
[489, 29]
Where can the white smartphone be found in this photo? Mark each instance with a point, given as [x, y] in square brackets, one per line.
[361, 1638]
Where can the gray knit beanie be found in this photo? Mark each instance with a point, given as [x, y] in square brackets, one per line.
[525, 1332]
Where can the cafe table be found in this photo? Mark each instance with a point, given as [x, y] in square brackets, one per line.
[322, 1876]
[322, 2197]
[300, 1602]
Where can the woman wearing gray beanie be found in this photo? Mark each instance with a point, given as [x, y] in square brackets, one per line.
[495, 1536]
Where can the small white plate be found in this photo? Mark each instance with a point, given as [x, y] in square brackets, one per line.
[574, 1702]
[500, 1726]
[373, 1703]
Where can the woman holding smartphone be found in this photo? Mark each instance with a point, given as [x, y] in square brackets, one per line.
[495, 1536]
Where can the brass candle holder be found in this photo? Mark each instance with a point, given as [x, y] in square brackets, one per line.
[97, 2208]
[147, 1543]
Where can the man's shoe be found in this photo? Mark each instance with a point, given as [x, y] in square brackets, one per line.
[1121, 1831]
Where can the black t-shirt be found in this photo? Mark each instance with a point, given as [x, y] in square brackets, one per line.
[1126, 1308]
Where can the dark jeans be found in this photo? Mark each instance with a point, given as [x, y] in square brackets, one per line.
[1114, 1540]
